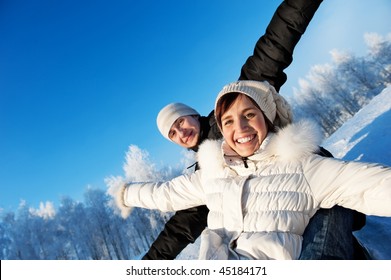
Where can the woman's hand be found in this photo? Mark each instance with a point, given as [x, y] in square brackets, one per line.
[116, 190]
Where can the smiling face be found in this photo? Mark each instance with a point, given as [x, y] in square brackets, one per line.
[243, 126]
[185, 131]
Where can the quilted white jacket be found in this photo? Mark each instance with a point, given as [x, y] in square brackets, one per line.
[260, 211]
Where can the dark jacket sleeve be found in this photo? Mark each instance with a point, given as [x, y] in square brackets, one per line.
[182, 228]
[273, 52]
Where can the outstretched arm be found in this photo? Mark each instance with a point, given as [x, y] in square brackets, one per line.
[180, 193]
[365, 187]
[274, 50]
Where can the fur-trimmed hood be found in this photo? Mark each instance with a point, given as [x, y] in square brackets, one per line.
[290, 143]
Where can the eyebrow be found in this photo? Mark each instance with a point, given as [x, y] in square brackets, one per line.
[245, 110]
[176, 121]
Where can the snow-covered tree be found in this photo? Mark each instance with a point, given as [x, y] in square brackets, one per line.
[334, 92]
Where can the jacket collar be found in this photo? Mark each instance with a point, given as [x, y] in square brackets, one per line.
[231, 157]
[291, 143]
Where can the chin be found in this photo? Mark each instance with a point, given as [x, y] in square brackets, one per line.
[247, 153]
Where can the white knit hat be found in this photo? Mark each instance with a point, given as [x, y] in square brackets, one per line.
[272, 104]
[169, 114]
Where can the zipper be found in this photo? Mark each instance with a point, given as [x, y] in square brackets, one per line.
[245, 161]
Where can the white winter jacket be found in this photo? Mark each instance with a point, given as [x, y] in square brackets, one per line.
[260, 211]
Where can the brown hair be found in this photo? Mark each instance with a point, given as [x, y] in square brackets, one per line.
[226, 101]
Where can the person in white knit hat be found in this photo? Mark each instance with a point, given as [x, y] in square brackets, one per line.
[264, 181]
[179, 123]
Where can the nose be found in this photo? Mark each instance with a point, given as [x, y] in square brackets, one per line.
[241, 124]
[181, 131]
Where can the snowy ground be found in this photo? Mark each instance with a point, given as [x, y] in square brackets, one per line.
[365, 137]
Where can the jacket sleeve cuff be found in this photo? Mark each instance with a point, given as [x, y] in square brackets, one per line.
[120, 202]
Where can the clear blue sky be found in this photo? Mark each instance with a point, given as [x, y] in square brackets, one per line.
[82, 80]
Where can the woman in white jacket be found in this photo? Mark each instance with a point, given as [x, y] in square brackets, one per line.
[264, 182]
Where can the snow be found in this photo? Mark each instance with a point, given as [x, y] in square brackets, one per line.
[365, 137]
[366, 133]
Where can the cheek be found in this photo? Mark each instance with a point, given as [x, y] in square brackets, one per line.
[191, 124]
[197, 126]
[226, 133]
[262, 126]
[176, 141]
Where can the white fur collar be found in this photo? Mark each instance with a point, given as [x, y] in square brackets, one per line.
[290, 143]
[295, 141]
[211, 159]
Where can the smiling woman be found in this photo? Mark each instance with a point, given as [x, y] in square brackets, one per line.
[244, 127]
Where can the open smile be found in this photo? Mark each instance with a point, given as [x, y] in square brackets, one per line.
[188, 137]
[244, 140]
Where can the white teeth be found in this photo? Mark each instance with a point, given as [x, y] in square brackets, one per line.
[244, 139]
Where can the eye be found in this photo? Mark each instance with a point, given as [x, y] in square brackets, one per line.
[171, 134]
[227, 122]
[181, 121]
[250, 115]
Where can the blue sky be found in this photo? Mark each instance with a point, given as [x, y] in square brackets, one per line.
[80, 81]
